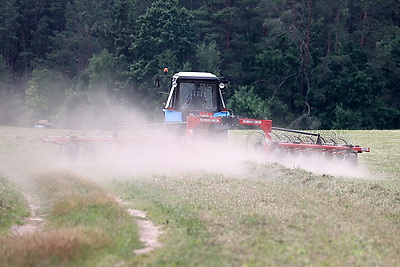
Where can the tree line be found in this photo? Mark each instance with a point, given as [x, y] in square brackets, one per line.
[309, 64]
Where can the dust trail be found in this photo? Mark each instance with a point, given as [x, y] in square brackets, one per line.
[318, 164]
[155, 158]
[184, 157]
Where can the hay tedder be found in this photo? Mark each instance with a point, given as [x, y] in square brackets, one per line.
[195, 109]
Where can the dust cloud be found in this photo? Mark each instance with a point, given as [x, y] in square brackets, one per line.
[136, 142]
[168, 152]
[120, 140]
[319, 163]
[151, 156]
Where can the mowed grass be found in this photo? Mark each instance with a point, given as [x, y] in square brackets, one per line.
[273, 216]
[86, 226]
[276, 217]
[384, 159]
[267, 216]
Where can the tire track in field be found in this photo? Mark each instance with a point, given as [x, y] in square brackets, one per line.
[149, 233]
[32, 223]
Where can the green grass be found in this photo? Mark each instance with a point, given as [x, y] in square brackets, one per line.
[275, 217]
[86, 226]
[266, 216]
[13, 207]
[384, 159]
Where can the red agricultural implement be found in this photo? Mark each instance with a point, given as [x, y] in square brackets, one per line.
[195, 109]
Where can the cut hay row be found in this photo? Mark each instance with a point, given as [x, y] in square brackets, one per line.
[246, 213]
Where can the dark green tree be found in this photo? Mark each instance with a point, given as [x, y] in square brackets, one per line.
[11, 101]
[246, 103]
[165, 26]
[208, 58]
[79, 41]
[9, 32]
[236, 26]
[313, 63]
[45, 94]
[119, 28]
[347, 86]
[47, 18]
[165, 38]
[101, 73]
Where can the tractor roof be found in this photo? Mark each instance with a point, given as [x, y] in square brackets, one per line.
[195, 75]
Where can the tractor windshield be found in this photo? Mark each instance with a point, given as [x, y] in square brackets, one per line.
[197, 95]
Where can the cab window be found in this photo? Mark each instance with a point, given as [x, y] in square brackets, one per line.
[197, 95]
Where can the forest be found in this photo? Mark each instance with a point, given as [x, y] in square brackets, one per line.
[307, 64]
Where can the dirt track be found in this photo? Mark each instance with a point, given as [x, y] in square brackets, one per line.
[32, 223]
[149, 233]
[261, 216]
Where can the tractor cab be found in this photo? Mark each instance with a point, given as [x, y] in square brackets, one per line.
[195, 94]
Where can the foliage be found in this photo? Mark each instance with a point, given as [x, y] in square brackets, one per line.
[248, 104]
[9, 25]
[347, 119]
[208, 58]
[12, 205]
[45, 93]
[101, 72]
[308, 60]
[165, 27]
[11, 102]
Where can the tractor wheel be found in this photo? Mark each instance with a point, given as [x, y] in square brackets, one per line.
[351, 158]
[259, 148]
[72, 150]
[256, 145]
[339, 157]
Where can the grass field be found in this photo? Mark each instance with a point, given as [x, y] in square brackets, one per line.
[262, 215]
[13, 207]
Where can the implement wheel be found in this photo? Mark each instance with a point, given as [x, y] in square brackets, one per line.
[72, 150]
[351, 158]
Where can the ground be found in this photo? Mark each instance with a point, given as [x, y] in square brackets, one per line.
[220, 210]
